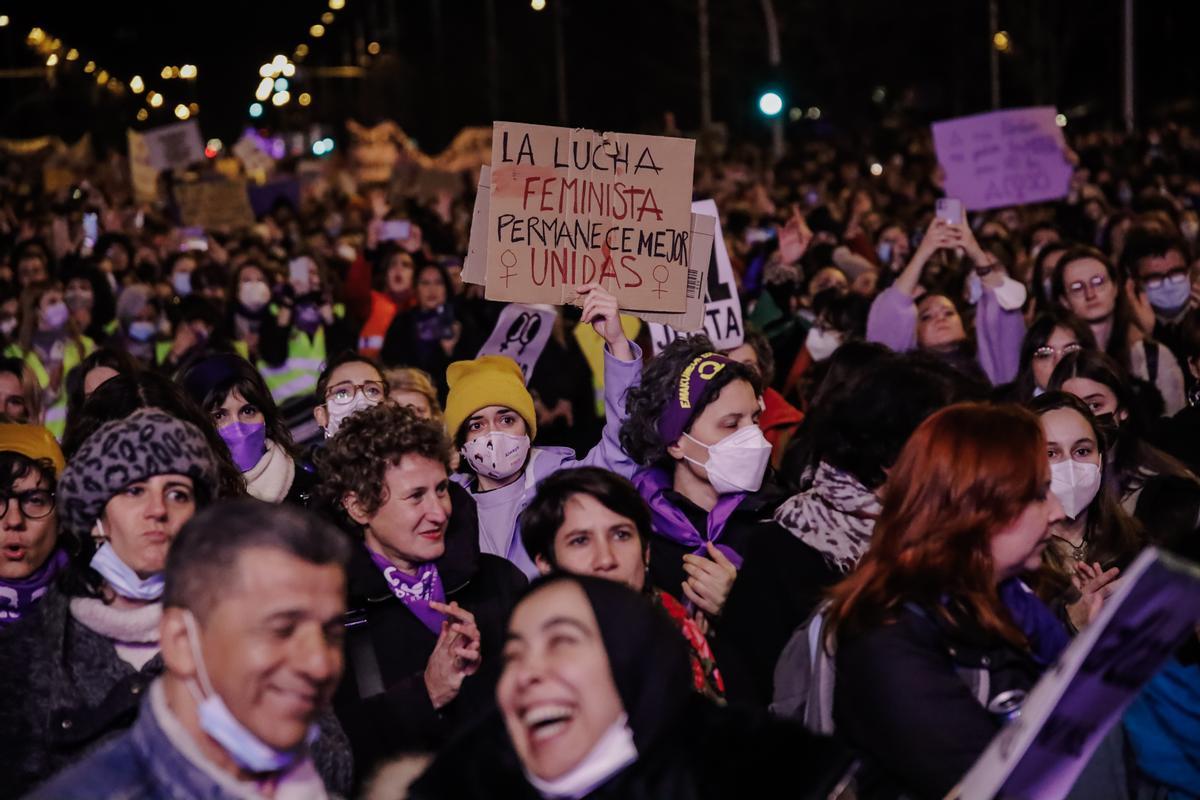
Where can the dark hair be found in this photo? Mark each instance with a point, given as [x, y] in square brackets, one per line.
[250, 385]
[109, 357]
[121, 396]
[543, 517]
[104, 303]
[345, 357]
[845, 312]
[442, 274]
[1038, 279]
[645, 401]
[1118, 341]
[1169, 506]
[15, 466]
[862, 430]
[367, 444]
[1036, 337]
[1148, 242]
[1111, 535]
[1133, 458]
[204, 556]
[763, 353]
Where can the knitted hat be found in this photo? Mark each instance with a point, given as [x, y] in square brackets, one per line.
[487, 381]
[148, 442]
[32, 441]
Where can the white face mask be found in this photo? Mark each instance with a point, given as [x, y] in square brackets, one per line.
[822, 343]
[254, 295]
[338, 413]
[1075, 484]
[738, 462]
[497, 455]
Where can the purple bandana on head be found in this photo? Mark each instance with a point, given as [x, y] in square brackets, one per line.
[415, 591]
[18, 597]
[671, 523]
[694, 383]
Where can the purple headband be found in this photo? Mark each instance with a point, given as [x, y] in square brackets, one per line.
[695, 381]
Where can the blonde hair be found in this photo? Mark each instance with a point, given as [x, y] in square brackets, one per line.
[411, 379]
[31, 390]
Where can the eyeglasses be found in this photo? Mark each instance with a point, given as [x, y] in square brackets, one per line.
[342, 394]
[1046, 351]
[1096, 281]
[34, 504]
[1174, 276]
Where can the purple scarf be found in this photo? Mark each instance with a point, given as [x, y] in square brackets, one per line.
[18, 597]
[671, 523]
[415, 592]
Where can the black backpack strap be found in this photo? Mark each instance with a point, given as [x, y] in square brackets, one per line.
[1150, 348]
[361, 650]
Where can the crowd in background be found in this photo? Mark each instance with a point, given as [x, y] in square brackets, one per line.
[271, 526]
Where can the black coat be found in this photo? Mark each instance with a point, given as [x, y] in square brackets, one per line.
[381, 630]
[779, 586]
[705, 752]
[748, 522]
[65, 690]
[902, 700]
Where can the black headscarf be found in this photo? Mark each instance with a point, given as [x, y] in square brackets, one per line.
[646, 654]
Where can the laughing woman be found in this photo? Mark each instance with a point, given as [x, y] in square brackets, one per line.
[594, 701]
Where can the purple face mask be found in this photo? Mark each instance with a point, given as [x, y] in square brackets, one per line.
[246, 443]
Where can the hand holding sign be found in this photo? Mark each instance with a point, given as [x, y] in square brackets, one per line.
[601, 310]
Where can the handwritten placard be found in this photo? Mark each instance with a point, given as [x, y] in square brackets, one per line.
[215, 205]
[722, 310]
[521, 333]
[1039, 755]
[1003, 158]
[174, 146]
[573, 206]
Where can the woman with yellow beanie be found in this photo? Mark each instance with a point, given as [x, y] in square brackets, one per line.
[490, 414]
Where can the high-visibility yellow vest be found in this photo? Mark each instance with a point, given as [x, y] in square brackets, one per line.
[55, 415]
[298, 375]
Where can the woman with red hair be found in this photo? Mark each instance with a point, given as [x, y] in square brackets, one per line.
[937, 639]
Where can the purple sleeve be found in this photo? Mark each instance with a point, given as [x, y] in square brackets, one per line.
[893, 320]
[999, 334]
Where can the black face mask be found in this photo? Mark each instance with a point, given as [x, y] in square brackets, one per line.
[1108, 429]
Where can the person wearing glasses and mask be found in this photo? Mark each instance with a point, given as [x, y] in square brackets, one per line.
[1090, 287]
[349, 383]
[30, 462]
[1158, 262]
[234, 395]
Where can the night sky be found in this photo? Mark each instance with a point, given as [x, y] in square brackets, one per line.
[628, 61]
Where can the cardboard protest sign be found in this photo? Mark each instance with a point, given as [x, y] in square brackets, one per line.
[1039, 755]
[174, 146]
[142, 173]
[722, 306]
[475, 264]
[521, 333]
[573, 206]
[214, 204]
[256, 161]
[1003, 158]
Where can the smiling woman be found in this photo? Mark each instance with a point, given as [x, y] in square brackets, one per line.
[594, 701]
[426, 607]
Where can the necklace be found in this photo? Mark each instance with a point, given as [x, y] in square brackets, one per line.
[1077, 550]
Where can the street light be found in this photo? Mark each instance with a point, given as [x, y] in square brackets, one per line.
[256, 110]
[182, 111]
[770, 104]
[537, 5]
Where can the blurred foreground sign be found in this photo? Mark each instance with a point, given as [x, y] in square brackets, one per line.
[1003, 158]
[1041, 753]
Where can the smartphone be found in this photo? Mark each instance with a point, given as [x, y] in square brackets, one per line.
[395, 230]
[298, 269]
[193, 239]
[950, 209]
[91, 230]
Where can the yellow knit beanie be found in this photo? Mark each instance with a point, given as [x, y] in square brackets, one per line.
[32, 441]
[486, 381]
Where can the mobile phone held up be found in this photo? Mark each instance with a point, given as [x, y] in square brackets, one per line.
[395, 230]
[949, 209]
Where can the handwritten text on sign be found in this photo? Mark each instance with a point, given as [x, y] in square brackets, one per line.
[573, 206]
[1004, 158]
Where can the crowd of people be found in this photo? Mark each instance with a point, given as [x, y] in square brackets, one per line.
[272, 526]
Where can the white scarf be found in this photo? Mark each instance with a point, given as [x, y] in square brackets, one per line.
[613, 751]
[271, 478]
[133, 631]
